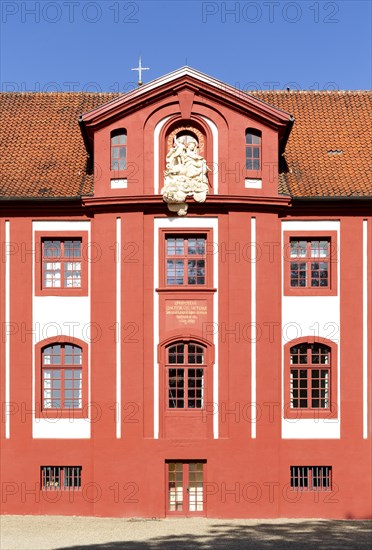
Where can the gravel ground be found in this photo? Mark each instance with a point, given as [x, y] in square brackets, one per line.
[79, 533]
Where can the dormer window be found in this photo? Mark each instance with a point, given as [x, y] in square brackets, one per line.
[252, 149]
[119, 150]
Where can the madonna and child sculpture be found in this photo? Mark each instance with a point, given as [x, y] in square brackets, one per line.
[185, 175]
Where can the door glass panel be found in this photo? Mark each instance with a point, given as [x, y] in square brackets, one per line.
[175, 486]
[196, 487]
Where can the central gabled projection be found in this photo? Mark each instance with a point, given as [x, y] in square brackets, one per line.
[183, 139]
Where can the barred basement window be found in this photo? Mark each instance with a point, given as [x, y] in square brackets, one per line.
[311, 478]
[60, 478]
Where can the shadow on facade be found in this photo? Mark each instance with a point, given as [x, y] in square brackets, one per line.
[309, 535]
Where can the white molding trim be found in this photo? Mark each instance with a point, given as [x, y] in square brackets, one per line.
[311, 315]
[365, 329]
[253, 333]
[214, 131]
[118, 329]
[7, 335]
[253, 183]
[54, 312]
[184, 223]
[157, 131]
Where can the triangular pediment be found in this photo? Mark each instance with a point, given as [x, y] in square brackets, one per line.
[186, 82]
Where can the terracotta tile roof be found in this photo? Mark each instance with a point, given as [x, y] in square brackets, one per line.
[328, 152]
[329, 149]
[41, 146]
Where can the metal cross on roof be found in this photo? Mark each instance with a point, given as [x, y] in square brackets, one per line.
[140, 69]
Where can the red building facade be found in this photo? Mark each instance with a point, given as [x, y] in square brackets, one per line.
[186, 302]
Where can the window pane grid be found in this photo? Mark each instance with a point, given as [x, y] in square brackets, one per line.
[119, 150]
[186, 261]
[195, 388]
[196, 487]
[176, 388]
[62, 385]
[309, 384]
[311, 478]
[185, 386]
[185, 486]
[309, 265]
[66, 272]
[195, 354]
[176, 354]
[252, 151]
[175, 486]
[56, 478]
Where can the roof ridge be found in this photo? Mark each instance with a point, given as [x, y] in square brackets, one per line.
[78, 93]
[294, 91]
[107, 93]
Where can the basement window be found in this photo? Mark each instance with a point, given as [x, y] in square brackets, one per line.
[311, 478]
[60, 478]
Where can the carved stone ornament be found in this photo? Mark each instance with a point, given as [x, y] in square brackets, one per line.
[185, 174]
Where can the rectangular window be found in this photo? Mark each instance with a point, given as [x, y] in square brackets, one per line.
[253, 150]
[311, 478]
[60, 478]
[185, 388]
[310, 263]
[61, 263]
[310, 388]
[185, 260]
[119, 150]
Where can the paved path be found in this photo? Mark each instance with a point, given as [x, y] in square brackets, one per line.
[77, 533]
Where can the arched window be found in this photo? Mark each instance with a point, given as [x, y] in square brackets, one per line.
[310, 376]
[185, 376]
[253, 149]
[62, 377]
[119, 149]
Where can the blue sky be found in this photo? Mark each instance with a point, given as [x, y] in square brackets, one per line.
[66, 45]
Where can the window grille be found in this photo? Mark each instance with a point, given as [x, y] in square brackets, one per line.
[60, 478]
[311, 478]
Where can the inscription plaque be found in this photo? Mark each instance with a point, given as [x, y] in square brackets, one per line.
[185, 313]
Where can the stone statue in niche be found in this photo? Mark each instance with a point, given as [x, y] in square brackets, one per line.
[185, 175]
